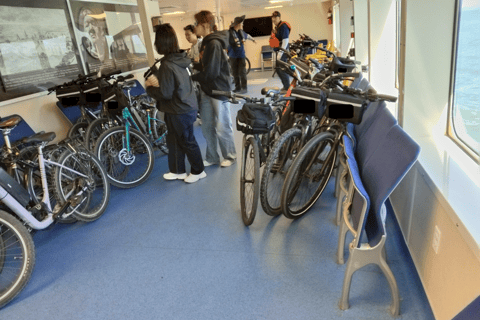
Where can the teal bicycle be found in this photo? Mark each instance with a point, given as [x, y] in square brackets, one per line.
[127, 151]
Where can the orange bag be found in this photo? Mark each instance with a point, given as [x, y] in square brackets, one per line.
[273, 41]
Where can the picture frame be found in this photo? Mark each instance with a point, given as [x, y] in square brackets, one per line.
[157, 20]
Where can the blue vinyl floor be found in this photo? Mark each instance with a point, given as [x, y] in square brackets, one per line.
[171, 250]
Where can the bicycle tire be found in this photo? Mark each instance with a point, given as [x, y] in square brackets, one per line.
[78, 131]
[276, 168]
[16, 238]
[249, 176]
[94, 131]
[111, 154]
[248, 66]
[97, 184]
[35, 187]
[303, 184]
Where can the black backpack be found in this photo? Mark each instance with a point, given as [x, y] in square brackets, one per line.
[255, 118]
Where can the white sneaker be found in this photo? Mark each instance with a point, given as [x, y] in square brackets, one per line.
[195, 177]
[227, 163]
[208, 164]
[174, 176]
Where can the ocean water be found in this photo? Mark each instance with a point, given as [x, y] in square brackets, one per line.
[467, 81]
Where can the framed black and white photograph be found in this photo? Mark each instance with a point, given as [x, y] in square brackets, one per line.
[34, 54]
[156, 21]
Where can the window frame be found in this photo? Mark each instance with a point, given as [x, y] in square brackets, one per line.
[450, 130]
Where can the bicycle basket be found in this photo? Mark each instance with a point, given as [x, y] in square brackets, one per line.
[342, 65]
[92, 93]
[345, 107]
[309, 101]
[255, 118]
[70, 95]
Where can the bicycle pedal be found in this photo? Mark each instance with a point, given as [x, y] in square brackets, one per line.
[61, 210]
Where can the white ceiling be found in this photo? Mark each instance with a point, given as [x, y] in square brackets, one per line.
[226, 6]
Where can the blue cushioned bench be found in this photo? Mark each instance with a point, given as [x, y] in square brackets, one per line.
[22, 130]
[378, 156]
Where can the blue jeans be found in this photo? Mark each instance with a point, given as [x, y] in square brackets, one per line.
[217, 126]
[284, 77]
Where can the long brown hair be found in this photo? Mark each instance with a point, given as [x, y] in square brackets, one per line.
[206, 17]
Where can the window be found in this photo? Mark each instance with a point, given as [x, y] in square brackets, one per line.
[465, 107]
[44, 43]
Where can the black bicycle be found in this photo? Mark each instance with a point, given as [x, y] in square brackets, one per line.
[313, 166]
[258, 141]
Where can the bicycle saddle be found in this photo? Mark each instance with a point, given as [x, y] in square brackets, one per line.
[44, 137]
[11, 122]
[269, 90]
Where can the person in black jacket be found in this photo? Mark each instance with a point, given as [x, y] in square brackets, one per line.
[215, 74]
[172, 87]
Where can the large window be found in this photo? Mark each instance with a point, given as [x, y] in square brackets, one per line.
[465, 111]
[44, 43]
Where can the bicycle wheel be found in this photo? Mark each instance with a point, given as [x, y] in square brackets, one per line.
[82, 170]
[17, 255]
[78, 131]
[247, 65]
[278, 162]
[94, 130]
[125, 168]
[159, 130]
[35, 187]
[308, 175]
[249, 180]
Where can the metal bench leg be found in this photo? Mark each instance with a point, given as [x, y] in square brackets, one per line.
[360, 257]
[342, 185]
[342, 234]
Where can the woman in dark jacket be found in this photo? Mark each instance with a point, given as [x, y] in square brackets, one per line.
[172, 87]
[214, 75]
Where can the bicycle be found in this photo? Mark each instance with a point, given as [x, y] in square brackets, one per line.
[61, 168]
[75, 189]
[312, 168]
[84, 93]
[119, 147]
[256, 145]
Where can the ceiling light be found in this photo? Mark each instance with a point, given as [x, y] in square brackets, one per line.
[273, 7]
[172, 13]
[277, 1]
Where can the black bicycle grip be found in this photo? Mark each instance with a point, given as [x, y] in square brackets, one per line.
[108, 75]
[222, 93]
[347, 75]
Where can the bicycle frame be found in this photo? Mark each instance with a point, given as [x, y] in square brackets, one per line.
[44, 204]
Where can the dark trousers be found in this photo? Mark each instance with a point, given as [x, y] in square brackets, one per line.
[284, 77]
[239, 72]
[181, 142]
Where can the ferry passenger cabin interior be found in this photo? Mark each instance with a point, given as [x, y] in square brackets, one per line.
[169, 250]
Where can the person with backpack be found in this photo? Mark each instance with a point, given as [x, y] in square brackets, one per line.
[279, 38]
[172, 88]
[236, 53]
[214, 74]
